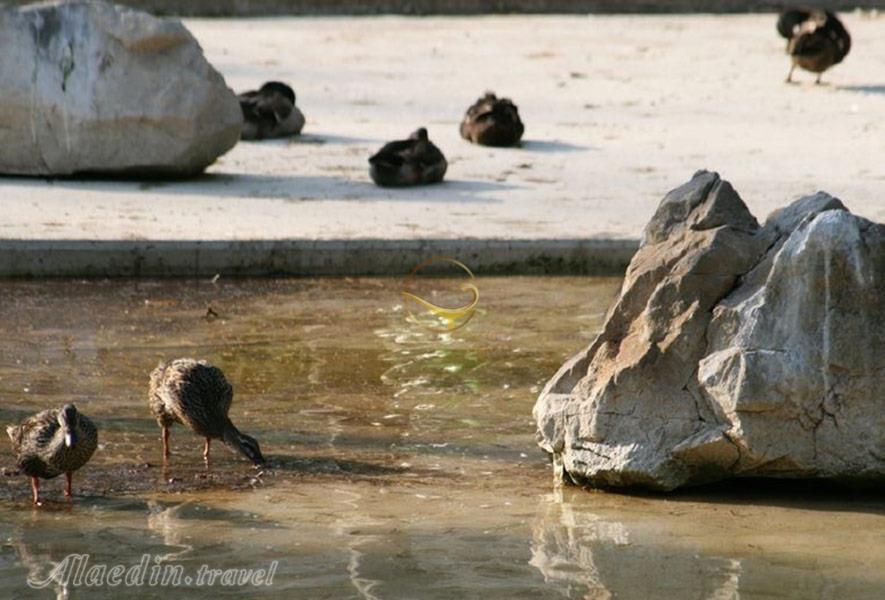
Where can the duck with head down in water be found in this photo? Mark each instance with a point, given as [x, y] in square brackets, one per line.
[197, 395]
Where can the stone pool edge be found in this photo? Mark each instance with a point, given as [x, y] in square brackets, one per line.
[23, 259]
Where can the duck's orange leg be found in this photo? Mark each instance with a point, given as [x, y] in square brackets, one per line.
[35, 489]
[68, 477]
[165, 442]
[206, 449]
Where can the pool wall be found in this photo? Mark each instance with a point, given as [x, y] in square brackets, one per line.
[111, 259]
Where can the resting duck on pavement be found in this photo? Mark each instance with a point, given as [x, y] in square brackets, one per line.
[413, 161]
[492, 121]
[270, 112]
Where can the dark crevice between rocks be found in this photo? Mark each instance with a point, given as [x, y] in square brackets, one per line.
[692, 386]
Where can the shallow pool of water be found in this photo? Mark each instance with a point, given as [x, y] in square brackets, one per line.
[403, 462]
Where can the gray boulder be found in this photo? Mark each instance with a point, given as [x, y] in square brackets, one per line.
[90, 87]
[734, 350]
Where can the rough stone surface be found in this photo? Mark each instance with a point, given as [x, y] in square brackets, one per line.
[733, 350]
[90, 87]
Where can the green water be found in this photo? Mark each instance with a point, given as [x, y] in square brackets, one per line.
[403, 462]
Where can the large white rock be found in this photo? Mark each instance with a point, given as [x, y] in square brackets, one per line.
[90, 87]
[733, 351]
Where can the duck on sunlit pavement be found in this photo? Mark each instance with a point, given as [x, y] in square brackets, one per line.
[53, 442]
[270, 112]
[816, 39]
[413, 161]
[492, 121]
[197, 395]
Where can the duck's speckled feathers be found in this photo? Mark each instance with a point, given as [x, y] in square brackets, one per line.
[193, 393]
[492, 121]
[40, 448]
[198, 395]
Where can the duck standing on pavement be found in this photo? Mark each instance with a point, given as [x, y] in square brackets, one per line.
[816, 39]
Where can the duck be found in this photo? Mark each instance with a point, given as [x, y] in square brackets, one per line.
[197, 395]
[492, 121]
[53, 442]
[270, 112]
[816, 39]
[413, 161]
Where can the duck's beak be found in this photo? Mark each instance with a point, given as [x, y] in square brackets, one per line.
[70, 439]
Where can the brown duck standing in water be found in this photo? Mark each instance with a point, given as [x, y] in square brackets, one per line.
[414, 161]
[270, 112]
[53, 442]
[817, 40]
[492, 121]
[197, 395]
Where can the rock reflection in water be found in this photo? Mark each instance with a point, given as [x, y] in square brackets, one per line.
[600, 557]
[712, 547]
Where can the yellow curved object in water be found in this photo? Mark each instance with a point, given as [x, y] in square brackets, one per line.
[454, 317]
[448, 313]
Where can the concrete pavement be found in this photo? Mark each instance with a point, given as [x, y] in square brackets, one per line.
[618, 110]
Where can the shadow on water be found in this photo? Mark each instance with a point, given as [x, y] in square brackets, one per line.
[804, 494]
[342, 467]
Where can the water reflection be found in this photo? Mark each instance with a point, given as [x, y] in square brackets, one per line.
[599, 557]
[39, 562]
[602, 547]
[166, 522]
[62, 545]
[351, 526]
[403, 461]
